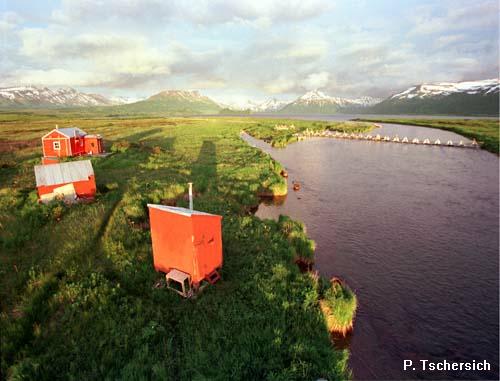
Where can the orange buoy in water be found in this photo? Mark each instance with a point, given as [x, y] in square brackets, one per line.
[296, 186]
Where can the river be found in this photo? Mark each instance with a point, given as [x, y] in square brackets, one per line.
[414, 231]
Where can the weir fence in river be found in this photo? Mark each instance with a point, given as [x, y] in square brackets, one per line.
[385, 139]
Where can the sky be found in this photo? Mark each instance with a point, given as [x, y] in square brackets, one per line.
[233, 51]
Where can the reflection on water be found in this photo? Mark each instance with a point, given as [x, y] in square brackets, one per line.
[340, 341]
[414, 231]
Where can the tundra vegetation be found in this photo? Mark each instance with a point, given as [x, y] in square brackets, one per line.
[338, 304]
[77, 282]
[485, 131]
[279, 137]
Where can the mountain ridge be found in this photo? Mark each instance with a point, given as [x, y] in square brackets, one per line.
[317, 102]
[40, 97]
[172, 101]
[454, 98]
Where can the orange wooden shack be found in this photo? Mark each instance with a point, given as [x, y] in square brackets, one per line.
[71, 180]
[187, 245]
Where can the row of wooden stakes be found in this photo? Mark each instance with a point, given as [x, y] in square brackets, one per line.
[379, 138]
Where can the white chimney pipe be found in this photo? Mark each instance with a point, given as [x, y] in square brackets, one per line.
[190, 196]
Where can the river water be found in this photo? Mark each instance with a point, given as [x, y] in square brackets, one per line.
[414, 231]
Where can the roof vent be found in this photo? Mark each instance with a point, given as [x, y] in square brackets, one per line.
[190, 196]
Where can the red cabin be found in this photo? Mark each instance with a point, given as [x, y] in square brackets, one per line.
[69, 181]
[187, 246]
[71, 141]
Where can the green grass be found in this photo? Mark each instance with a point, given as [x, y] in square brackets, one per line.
[339, 306]
[295, 232]
[266, 130]
[77, 296]
[485, 131]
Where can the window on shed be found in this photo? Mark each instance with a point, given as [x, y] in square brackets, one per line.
[57, 145]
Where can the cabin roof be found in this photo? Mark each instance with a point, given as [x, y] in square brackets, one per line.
[182, 211]
[72, 131]
[69, 132]
[62, 173]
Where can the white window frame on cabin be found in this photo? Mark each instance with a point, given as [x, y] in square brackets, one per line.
[56, 145]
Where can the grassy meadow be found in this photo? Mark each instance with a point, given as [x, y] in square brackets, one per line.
[485, 131]
[77, 282]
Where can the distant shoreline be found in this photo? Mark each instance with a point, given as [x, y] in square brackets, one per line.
[328, 117]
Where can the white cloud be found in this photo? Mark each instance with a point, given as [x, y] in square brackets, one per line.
[297, 83]
[203, 12]
[111, 58]
[458, 16]
[59, 77]
[282, 84]
[447, 40]
[316, 80]
[8, 21]
[259, 47]
[214, 83]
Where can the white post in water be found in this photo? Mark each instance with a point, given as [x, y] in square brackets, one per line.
[190, 196]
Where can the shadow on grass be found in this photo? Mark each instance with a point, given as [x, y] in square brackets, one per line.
[168, 144]
[146, 133]
[204, 169]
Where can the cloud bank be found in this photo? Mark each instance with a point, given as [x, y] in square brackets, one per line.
[259, 48]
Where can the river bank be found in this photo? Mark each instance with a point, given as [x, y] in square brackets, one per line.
[414, 231]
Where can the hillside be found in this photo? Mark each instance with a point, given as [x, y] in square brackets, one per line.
[171, 102]
[447, 98]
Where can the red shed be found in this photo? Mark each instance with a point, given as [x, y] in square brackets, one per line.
[93, 144]
[187, 245]
[71, 141]
[71, 180]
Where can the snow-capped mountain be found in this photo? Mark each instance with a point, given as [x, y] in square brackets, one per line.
[270, 105]
[118, 100]
[452, 98]
[187, 95]
[365, 101]
[317, 102]
[319, 98]
[487, 86]
[311, 102]
[32, 96]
